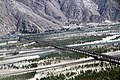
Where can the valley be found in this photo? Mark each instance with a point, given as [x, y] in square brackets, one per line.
[29, 57]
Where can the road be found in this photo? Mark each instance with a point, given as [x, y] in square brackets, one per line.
[23, 56]
[3, 73]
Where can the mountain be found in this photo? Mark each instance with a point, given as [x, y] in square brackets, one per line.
[31, 16]
[108, 9]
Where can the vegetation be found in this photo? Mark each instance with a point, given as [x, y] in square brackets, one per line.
[33, 65]
[58, 77]
[8, 46]
[64, 41]
[75, 40]
[69, 74]
[20, 77]
[62, 56]
[111, 73]
[48, 59]
[106, 48]
[116, 38]
[108, 74]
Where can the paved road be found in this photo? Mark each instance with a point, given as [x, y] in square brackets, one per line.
[47, 67]
[30, 54]
[43, 67]
[23, 56]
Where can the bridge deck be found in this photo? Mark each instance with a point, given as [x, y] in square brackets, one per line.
[95, 55]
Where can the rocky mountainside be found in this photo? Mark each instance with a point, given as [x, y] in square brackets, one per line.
[41, 15]
[108, 10]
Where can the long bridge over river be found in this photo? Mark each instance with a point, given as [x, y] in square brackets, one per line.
[96, 56]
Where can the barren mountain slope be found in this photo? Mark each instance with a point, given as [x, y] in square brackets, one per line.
[43, 15]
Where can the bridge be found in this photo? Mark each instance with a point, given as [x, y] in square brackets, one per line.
[96, 56]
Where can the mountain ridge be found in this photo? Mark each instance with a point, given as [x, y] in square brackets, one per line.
[34, 16]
